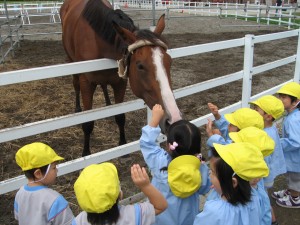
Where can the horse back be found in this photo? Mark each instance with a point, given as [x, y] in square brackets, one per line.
[80, 41]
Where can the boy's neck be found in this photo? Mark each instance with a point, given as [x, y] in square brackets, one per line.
[31, 183]
[268, 124]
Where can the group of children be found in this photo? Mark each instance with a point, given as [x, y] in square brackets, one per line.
[245, 155]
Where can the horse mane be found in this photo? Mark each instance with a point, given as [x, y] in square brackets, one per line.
[100, 18]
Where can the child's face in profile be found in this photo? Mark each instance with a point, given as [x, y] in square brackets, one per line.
[259, 110]
[287, 102]
[213, 177]
[50, 177]
[254, 181]
[232, 128]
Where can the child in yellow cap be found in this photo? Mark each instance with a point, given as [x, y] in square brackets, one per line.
[232, 167]
[35, 202]
[232, 122]
[266, 145]
[289, 94]
[272, 109]
[97, 190]
[176, 172]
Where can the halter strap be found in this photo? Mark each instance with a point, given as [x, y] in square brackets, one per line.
[123, 63]
[141, 43]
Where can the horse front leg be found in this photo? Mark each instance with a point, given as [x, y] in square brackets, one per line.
[119, 93]
[76, 86]
[87, 93]
[120, 119]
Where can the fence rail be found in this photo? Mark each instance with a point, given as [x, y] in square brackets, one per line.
[77, 118]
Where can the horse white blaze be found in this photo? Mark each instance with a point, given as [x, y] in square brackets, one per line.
[166, 92]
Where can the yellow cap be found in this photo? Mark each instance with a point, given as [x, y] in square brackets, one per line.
[245, 159]
[271, 105]
[36, 155]
[291, 88]
[97, 188]
[255, 136]
[245, 117]
[184, 175]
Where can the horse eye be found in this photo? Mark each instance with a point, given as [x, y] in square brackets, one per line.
[140, 66]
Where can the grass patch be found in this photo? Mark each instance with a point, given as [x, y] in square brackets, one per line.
[295, 23]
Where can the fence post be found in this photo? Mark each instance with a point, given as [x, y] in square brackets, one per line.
[297, 66]
[248, 65]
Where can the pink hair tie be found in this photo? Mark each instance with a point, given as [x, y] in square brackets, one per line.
[173, 146]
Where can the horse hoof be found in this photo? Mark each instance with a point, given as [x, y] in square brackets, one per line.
[78, 110]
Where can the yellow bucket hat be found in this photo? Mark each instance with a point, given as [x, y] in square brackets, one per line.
[245, 117]
[255, 136]
[271, 105]
[245, 159]
[36, 155]
[291, 88]
[97, 188]
[184, 175]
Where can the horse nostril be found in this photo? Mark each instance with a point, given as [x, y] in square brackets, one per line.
[164, 124]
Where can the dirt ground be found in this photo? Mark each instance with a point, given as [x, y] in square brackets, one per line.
[39, 100]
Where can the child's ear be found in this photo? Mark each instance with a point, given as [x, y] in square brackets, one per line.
[234, 182]
[269, 117]
[38, 174]
[121, 195]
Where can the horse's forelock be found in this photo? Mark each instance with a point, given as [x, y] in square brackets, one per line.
[150, 36]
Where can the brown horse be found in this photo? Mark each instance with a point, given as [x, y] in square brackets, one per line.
[91, 29]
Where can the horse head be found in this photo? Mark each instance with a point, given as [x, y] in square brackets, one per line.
[149, 77]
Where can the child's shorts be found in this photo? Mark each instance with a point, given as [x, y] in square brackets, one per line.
[268, 185]
[293, 180]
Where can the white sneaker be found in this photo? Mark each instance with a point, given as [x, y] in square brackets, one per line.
[280, 194]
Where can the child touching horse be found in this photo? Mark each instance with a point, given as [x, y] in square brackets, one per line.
[35, 202]
[232, 122]
[98, 191]
[232, 167]
[289, 94]
[177, 172]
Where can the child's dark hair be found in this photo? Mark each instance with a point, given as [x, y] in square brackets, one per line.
[29, 174]
[110, 216]
[241, 194]
[187, 136]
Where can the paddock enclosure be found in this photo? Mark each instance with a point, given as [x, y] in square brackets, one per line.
[29, 102]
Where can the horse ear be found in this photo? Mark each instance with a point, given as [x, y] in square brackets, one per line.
[126, 35]
[160, 25]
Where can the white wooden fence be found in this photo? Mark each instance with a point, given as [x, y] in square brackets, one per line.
[246, 74]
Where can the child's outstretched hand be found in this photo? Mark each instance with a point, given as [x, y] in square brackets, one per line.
[157, 114]
[209, 129]
[139, 176]
[214, 110]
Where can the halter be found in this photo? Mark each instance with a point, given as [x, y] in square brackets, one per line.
[124, 62]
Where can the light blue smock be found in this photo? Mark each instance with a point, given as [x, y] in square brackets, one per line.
[275, 161]
[180, 211]
[290, 140]
[222, 125]
[264, 201]
[220, 212]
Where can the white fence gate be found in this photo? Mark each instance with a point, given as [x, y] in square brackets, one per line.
[246, 75]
